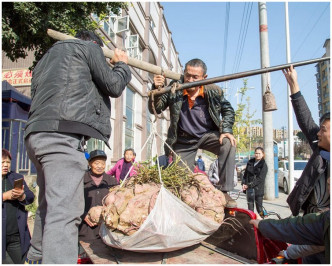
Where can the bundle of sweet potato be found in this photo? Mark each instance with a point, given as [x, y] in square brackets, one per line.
[126, 208]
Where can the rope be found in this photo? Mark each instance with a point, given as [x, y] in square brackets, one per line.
[177, 156]
[154, 145]
[153, 134]
[134, 164]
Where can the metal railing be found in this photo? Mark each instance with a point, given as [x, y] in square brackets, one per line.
[13, 133]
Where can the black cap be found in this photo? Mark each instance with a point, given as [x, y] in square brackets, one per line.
[97, 153]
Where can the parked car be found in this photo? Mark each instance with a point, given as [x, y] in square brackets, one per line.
[241, 167]
[283, 173]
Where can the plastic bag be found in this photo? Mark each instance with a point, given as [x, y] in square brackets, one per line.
[171, 225]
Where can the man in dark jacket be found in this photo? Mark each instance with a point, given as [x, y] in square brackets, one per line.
[196, 123]
[70, 91]
[310, 192]
[304, 195]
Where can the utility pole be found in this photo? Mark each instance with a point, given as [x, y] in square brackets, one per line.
[283, 140]
[238, 124]
[290, 112]
[267, 116]
[248, 109]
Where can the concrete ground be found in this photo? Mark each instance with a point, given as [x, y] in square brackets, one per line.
[278, 205]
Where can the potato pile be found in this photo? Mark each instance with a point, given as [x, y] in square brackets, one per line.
[126, 208]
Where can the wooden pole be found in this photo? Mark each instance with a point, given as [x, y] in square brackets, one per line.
[131, 61]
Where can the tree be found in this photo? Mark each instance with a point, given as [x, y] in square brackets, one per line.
[301, 136]
[24, 24]
[244, 121]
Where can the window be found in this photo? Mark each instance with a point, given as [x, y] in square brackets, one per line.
[152, 25]
[122, 24]
[129, 130]
[95, 144]
[112, 23]
[133, 47]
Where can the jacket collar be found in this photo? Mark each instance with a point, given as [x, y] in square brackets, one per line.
[87, 177]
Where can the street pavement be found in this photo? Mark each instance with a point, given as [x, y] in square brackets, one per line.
[278, 205]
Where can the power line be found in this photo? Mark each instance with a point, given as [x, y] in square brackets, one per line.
[242, 36]
[319, 18]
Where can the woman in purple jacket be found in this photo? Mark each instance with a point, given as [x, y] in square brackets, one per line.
[121, 168]
[15, 232]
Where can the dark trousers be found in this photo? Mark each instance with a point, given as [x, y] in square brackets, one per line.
[253, 198]
[187, 146]
[13, 250]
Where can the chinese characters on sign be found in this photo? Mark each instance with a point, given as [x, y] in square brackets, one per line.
[19, 77]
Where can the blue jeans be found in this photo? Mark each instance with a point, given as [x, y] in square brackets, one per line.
[60, 170]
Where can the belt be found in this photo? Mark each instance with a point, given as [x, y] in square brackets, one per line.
[184, 134]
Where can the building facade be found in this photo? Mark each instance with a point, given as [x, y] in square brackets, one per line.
[323, 82]
[256, 131]
[142, 29]
[279, 134]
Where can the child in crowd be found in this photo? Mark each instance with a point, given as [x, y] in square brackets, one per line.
[121, 168]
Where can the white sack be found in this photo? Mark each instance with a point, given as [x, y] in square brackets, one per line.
[171, 225]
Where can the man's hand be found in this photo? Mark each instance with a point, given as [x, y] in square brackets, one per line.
[119, 55]
[159, 80]
[89, 222]
[291, 77]
[281, 253]
[227, 135]
[255, 223]
[244, 187]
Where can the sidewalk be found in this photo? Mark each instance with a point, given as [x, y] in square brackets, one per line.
[278, 205]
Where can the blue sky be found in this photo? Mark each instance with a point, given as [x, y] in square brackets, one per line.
[198, 31]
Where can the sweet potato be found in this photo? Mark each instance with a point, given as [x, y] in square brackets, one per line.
[127, 208]
[95, 214]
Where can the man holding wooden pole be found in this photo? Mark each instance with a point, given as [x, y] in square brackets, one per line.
[196, 123]
[70, 90]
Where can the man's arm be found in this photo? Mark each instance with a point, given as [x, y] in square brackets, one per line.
[111, 81]
[160, 101]
[227, 122]
[301, 109]
[301, 230]
[300, 251]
